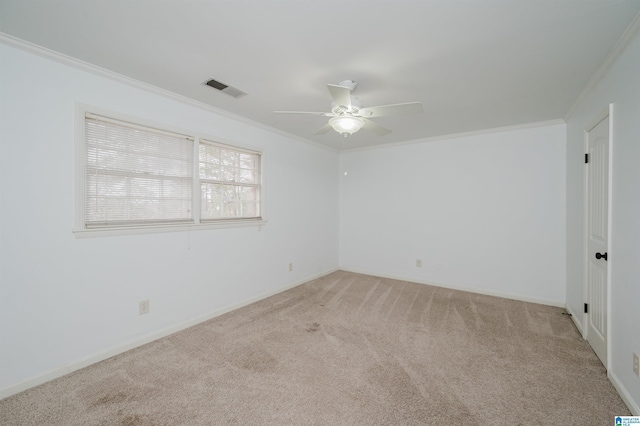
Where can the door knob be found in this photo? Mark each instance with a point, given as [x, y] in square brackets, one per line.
[601, 256]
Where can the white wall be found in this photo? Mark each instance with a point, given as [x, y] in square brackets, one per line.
[620, 86]
[64, 299]
[484, 212]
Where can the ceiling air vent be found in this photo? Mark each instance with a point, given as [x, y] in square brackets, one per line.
[229, 90]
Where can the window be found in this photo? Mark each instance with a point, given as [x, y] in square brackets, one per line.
[229, 182]
[137, 177]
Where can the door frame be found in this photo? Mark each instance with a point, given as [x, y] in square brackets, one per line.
[606, 112]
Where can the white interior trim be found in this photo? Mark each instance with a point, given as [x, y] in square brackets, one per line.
[463, 134]
[610, 245]
[597, 120]
[103, 72]
[574, 318]
[461, 288]
[585, 255]
[624, 393]
[81, 231]
[606, 113]
[627, 37]
[101, 356]
[151, 229]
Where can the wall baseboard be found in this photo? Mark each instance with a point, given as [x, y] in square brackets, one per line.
[461, 288]
[613, 378]
[59, 372]
[574, 318]
[148, 338]
[617, 384]
[624, 394]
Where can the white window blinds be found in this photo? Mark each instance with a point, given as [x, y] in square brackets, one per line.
[136, 175]
[229, 182]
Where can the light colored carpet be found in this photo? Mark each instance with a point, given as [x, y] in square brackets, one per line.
[345, 349]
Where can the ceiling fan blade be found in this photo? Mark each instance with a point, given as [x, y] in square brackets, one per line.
[326, 114]
[340, 95]
[396, 109]
[322, 130]
[375, 128]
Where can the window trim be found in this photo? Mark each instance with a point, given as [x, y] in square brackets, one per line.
[220, 145]
[80, 229]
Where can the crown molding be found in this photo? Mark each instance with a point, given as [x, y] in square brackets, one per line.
[627, 37]
[463, 134]
[61, 58]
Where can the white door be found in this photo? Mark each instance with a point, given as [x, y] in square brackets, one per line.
[597, 206]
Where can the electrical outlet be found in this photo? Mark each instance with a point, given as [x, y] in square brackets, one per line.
[143, 307]
[636, 364]
[290, 267]
[418, 263]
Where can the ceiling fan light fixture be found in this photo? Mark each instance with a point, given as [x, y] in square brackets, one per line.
[346, 124]
[348, 115]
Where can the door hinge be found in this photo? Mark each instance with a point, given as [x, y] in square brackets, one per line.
[586, 308]
[586, 158]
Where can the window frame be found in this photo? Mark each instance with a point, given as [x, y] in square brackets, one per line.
[220, 181]
[80, 228]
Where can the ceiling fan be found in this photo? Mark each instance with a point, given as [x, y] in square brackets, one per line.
[348, 115]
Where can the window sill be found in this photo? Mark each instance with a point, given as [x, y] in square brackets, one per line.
[154, 229]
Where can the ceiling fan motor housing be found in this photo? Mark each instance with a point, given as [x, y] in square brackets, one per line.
[348, 116]
[349, 84]
[355, 106]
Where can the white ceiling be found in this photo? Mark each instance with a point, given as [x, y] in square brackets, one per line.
[474, 64]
